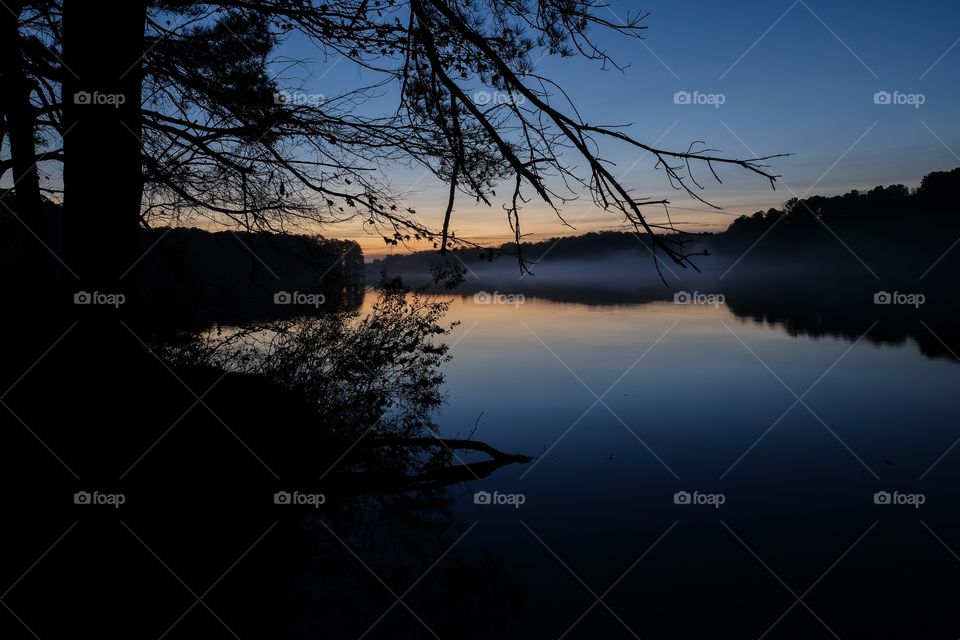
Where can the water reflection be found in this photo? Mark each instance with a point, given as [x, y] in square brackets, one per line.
[799, 311]
[774, 403]
[787, 413]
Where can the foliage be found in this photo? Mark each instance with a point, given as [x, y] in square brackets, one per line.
[376, 371]
[219, 144]
[878, 211]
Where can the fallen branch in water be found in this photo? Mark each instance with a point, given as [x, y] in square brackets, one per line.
[374, 482]
[452, 443]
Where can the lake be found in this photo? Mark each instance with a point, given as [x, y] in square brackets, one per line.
[699, 472]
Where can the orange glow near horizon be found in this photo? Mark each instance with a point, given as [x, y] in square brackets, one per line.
[488, 226]
[537, 225]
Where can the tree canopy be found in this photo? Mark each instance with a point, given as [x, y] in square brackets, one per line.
[220, 137]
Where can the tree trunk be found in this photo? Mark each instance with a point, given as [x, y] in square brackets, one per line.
[18, 112]
[103, 181]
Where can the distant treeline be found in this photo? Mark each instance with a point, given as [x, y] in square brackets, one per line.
[883, 213]
[589, 246]
[893, 224]
[238, 277]
[188, 278]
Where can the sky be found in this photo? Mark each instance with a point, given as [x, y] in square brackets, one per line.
[861, 93]
[763, 77]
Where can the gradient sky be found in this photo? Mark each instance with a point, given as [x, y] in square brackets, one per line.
[796, 76]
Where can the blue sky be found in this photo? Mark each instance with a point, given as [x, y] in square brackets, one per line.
[795, 77]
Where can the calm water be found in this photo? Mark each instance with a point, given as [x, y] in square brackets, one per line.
[624, 406]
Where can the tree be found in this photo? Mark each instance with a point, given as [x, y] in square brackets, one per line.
[217, 143]
[19, 127]
[101, 138]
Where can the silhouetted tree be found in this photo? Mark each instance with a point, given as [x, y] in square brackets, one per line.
[102, 178]
[217, 142]
[17, 123]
